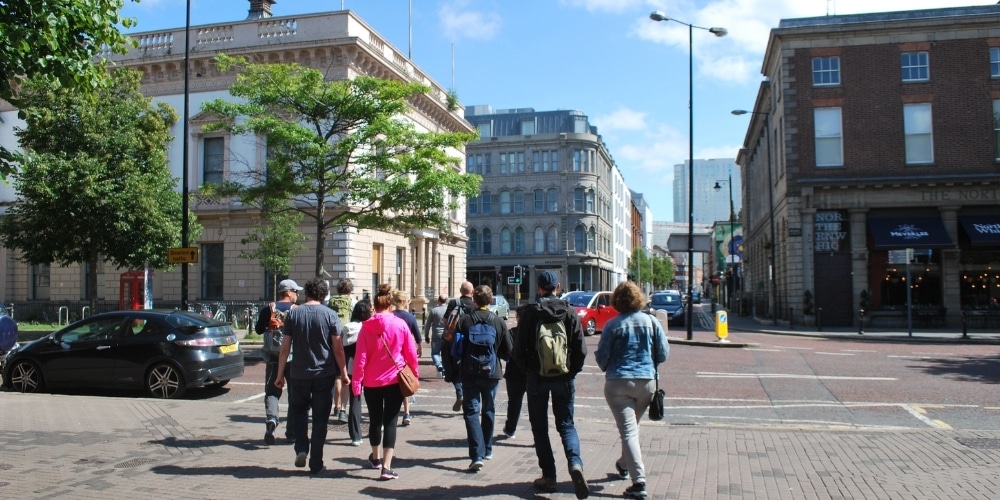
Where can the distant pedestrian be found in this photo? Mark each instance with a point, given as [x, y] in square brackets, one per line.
[451, 372]
[342, 303]
[632, 346]
[288, 293]
[362, 311]
[434, 332]
[400, 306]
[559, 321]
[384, 345]
[484, 342]
[312, 335]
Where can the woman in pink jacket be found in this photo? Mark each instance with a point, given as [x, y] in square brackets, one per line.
[384, 345]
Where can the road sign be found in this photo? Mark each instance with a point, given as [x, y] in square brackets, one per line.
[511, 280]
[184, 255]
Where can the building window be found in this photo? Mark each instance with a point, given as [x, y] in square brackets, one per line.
[577, 158]
[552, 241]
[590, 201]
[487, 241]
[528, 127]
[915, 67]
[829, 137]
[536, 162]
[474, 205]
[212, 260]
[41, 281]
[484, 203]
[473, 245]
[213, 158]
[485, 130]
[592, 241]
[995, 62]
[504, 202]
[555, 161]
[580, 239]
[578, 199]
[826, 71]
[919, 133]
[470, 164]
[503, 163]
[553, 201]
[539, 241]
[519, 241]
[996, 126]
[519, 165]
[539, 201]
[485, 164]
[505, 242]
[400, 259]
[518, 202]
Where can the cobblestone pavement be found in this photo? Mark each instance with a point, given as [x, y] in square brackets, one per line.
[66, 446]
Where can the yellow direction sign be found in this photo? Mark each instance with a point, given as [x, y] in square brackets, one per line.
[184, 255]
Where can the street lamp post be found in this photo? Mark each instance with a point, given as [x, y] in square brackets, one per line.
[184, 154]
[732, 233]
[720, 32]
[770, 191]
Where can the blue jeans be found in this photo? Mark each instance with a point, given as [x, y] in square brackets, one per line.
[315, 393]
[436, 343]
[478, 408]
[272, 395]
[562, 391]
[516, 381]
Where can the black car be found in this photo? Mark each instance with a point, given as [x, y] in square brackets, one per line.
[669, 301]
[164, 352]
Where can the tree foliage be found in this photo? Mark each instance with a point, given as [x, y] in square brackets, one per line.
[94, 181]
[277, 239]
[56, 42]
[342, 151]
[658, 271]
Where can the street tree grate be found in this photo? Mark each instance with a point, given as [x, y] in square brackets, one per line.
[135, 462]
[981, 443]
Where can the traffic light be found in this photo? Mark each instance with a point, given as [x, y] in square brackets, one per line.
[517, 274]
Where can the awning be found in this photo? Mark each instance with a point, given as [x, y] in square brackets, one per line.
[909, 232]
[981, 229]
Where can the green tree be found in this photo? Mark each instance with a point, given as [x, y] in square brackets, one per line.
[658, 271]
[94, 182]
[57, 42]
[342, 151]
[277, 237]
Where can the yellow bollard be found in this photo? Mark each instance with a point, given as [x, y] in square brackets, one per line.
[722, 325]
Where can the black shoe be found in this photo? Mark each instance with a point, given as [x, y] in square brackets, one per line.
[313, 472]
[579, 483]
[388, 475]
[374, 462]
[622, 471]
[269, 433]
[637, 490]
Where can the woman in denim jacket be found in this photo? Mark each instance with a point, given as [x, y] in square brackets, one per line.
[632, 346]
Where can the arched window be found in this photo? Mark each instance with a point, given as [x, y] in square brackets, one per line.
[590, 201]
[539, 241]
[505, 243]
[553, 201]
[518, 201]
[473, 245]
[504, 202]
[539, 201]
[519, 241]
[579, 239]
[591, 240]
[578, 199]
[487, 241]
[552, 243]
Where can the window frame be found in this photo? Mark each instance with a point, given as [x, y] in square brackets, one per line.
[909, 134]
[819, 136]
[217, 159]
[918, 70]
[995, 62]
[825, 75]
[996, 127]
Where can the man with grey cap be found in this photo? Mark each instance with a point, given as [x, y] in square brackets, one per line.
[547, 310]
[288, 294]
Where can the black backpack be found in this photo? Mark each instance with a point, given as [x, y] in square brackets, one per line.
[479, 349]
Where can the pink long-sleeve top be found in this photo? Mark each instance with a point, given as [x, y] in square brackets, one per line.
[372, 365]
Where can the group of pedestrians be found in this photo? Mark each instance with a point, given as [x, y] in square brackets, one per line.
[630, 349]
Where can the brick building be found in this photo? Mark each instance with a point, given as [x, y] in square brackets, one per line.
[873, 134]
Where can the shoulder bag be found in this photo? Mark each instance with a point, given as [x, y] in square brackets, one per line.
[408, 381]
[656, 404]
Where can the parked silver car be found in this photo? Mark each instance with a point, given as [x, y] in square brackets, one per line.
[500, 306]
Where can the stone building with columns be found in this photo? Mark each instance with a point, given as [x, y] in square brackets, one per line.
[424, 262]
[872, 158]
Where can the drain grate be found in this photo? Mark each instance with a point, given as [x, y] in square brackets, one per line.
[135, 462]
[981, 443]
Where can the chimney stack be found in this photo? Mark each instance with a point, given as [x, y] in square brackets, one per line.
[259, 9]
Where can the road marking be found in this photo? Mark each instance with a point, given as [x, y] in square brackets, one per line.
[798, 348]
[251, 398]
[769, 350]
[904, 356]
[787, 375]
[857, 350]
[919, 412]
[834, 353]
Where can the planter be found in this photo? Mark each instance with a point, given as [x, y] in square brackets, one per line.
[809, 320]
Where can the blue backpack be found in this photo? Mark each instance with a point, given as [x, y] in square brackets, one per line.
[478, 349]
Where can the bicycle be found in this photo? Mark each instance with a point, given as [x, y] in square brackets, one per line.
[220, 312]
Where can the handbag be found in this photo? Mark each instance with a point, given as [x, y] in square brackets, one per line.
[408, 381]
[656, 405]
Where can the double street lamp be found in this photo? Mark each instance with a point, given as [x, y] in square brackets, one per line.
[719, 32]
[730, 259]
[773, 303]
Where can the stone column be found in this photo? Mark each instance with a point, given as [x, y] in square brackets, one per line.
[950, 268]
[859, 255]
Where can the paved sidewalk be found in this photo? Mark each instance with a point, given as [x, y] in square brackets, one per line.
[63, 446]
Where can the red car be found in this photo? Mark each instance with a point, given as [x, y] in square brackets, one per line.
[593, 308]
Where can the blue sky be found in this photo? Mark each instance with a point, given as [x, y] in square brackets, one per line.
[606, 58]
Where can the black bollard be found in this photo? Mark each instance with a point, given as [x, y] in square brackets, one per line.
[819, 319]
[861, 321]
[965, 327]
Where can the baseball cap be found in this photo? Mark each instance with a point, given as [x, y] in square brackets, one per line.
[548, 280]
[287, 285]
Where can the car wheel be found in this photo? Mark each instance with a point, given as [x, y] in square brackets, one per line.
[26, 377]
[164, 381]
[222, 383]
[591, 327]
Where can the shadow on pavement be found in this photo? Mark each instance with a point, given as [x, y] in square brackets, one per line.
[967, 369]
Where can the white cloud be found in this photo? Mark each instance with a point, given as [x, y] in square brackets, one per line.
[459, 23]
[604, 5]
[620, 119]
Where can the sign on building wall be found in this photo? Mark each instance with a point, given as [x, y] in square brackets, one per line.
[831, 231]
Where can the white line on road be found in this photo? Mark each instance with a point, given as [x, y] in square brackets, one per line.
[834, 353]
[251, 398]
[769, 350]
[790, 347]
[857, 350]
[786, 375]
[918, 413]
[907, 357]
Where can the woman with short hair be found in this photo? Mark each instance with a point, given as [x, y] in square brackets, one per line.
[632, 346]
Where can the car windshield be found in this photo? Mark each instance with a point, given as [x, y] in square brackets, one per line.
[579, 299]
[665, 299]
[497, 300]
